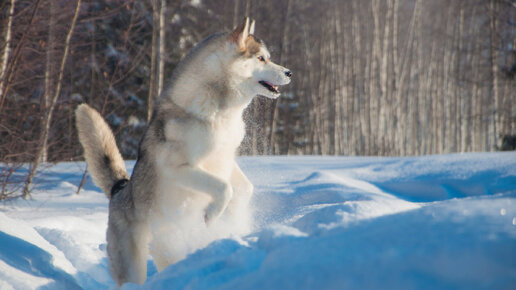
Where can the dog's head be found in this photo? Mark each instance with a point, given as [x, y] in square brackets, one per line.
[257, 74]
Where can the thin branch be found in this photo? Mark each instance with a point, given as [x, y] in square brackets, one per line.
[37, 158]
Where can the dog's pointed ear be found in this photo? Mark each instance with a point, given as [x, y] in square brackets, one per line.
[240, 34]
[251, 27]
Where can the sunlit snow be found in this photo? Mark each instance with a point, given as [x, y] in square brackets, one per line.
[433, 222]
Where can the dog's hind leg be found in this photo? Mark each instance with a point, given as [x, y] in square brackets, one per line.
[160, 260]
[162, 251]
[160, 246]
[127, 247]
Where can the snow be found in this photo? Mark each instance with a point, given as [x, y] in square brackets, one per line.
[432, 222]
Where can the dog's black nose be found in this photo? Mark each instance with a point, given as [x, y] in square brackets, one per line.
[288, 73]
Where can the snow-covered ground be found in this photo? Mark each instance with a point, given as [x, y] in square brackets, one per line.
[433, 222]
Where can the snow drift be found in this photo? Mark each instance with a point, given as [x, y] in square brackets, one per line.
[445, 221]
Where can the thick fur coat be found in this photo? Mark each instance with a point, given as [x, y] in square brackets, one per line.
[186, 188]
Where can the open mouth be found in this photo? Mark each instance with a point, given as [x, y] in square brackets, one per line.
[269, 86]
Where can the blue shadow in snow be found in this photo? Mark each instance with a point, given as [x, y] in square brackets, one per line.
[437, 187]
[33, 260]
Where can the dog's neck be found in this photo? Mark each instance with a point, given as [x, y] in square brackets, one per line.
[210, 99]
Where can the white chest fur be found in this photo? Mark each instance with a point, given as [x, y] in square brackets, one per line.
[223, 137]
[208, 144]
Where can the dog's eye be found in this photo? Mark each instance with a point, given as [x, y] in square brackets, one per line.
[261, 58]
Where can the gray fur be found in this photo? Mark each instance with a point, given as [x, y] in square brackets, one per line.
[186, 171]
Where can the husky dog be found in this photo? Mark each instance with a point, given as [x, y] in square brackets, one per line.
[185, 180]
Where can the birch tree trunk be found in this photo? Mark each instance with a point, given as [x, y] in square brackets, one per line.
[476, 139]
[493, 50]
[513, 98]
[385, 101]
[273, 144]
[463, 116]
[362, 128]
[341, 126]
[153, 86]
[374, 94]
[412, 102]
[395, 74]
[311, 100]
[49, 72]
[53, 102]
[430, 101]
[333, 94]
[420, 126]
[6, 50]
[162, 52]
[401, 100]
[348, 116]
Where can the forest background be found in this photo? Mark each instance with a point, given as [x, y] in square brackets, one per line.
[370, 77]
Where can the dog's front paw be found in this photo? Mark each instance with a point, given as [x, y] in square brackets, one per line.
[210, 214]
[217, 207]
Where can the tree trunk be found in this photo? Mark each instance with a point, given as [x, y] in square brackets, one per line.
[154, 55]
[374, 94]
[401, 100]
[361, 109]
[312, 117]
[273, 144]
[48, 118]
[493, 50]
[12, 64]
[384, 80]
[394, 79]
[341, 128]
[7, 50]
[162, 52]
[49, 72]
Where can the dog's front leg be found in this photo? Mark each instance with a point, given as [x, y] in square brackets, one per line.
[242, 187]
[199, 180]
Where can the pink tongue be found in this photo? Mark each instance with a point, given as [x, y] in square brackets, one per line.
[269, 84]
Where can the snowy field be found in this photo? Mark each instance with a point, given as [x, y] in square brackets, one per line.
[434, 222]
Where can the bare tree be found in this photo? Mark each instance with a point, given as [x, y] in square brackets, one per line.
[49, 72]
[50, 109]
[161, 55]
[6, 48]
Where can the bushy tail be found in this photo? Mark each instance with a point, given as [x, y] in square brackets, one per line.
[105, 163]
